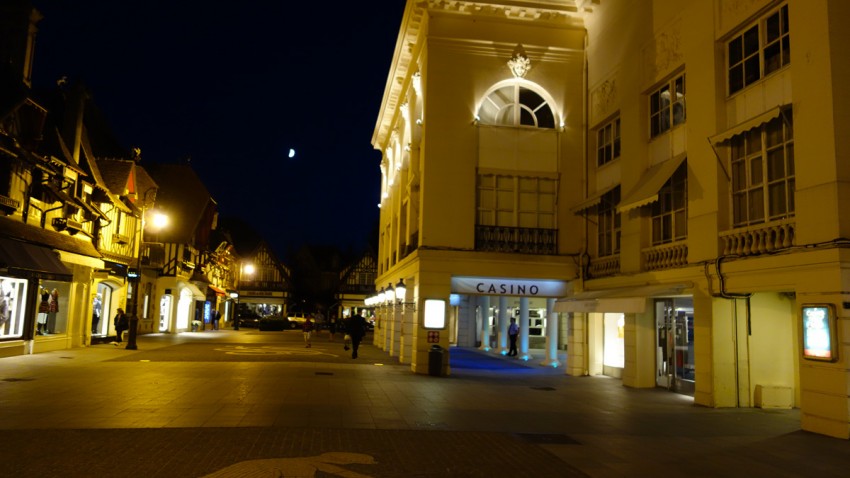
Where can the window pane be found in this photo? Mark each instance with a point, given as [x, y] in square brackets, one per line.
[505, 219]
[784, 13]
[529, 98]
[772, 30]
[773, 132]
[505, 182]
[528, 202]
[656, 230]
[789, 157]
[739, 209]
[487, 199]
[547, 185]
[753, 139]
[736, 78]
[777, 199]
[488, 181]
[751, 70]
[791, 192]
[751, 41]
[756, 173]
[506, 116]
[527, 220]
[772, 58]
[526, 118]
[505, 200]
[546, 221]
[756, 203]
[528, 184]
[616, 152]
[545, 117]
[775, 164]
[737, 147]
[680, 222]
[786, 51]
[735, 51]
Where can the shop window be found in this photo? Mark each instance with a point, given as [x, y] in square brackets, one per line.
[760, 50]
[52, 307]
[13, 293]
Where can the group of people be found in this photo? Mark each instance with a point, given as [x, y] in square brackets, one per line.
[354, 328]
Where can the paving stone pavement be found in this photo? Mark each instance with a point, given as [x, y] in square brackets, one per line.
[249, 403]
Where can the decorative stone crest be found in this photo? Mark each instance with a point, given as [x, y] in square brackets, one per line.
[519, 63]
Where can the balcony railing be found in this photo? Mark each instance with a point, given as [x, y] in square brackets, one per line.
[759, 239]
[666, 256]
[523, 240]
[604, 266]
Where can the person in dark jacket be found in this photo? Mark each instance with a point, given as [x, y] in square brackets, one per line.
[356, 328]
[121, 324]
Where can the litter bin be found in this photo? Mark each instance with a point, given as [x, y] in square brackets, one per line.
[438, 361]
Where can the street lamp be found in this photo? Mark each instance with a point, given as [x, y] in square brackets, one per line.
[159, 221]
[244, 269]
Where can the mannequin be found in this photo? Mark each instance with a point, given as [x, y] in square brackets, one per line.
[53, 308]
[43, 309]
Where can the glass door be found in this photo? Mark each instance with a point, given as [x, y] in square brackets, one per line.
[674, 322]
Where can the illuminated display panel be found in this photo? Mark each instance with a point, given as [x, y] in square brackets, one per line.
[819, 338]
[435, 314]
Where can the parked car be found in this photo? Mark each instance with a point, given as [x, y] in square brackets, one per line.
[249, 319]
[296, 322]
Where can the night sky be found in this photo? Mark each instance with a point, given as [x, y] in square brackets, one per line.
[232, 86]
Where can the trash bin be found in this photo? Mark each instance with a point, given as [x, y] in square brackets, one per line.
[438, 359]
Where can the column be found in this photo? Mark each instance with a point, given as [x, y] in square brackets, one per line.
[484, 332]
[523, 329]
[395, 344]
[551, 335]
[406, 325]
[503, 325]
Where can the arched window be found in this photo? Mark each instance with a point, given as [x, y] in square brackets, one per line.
[516, 105]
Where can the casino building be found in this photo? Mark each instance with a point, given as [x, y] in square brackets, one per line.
[654, 187]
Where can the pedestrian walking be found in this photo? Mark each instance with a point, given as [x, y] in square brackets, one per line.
[215, 319]
[513, 332]
[332, 328]
[307, 328]
[356, 328]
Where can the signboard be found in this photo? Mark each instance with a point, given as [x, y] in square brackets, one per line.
[435, 314]
[433, 337]
[511, 287]
[819, 334]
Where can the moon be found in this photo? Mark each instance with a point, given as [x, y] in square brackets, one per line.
[291, 153]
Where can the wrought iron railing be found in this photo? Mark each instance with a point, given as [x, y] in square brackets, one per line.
[523, 240]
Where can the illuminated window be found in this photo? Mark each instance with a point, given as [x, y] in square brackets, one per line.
[763, 173]
[667, 106]
[608, 142]
[515, 105]
[513, 201]
[759, 51]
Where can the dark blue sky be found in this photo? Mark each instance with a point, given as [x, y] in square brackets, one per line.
[234, 86]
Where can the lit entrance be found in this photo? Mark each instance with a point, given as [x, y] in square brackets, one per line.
[674, 322]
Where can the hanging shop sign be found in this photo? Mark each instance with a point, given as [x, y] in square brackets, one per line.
[511, 287]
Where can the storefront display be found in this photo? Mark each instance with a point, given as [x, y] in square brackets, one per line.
[12, 306]
[52, 315]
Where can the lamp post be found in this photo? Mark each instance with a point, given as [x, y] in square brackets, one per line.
[159, 221]
[243, 269]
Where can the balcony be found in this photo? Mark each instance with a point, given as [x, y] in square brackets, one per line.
[758, 239]
[604, 266]
[665, 256]
[522, 240]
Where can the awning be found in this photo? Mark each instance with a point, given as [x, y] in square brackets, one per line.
[625, 299]
[193, 288]
[591, 201]
[219, 292]
[30, 260]
[646, 190]
[746, 125]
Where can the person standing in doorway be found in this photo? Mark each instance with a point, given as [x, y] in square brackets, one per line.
[513, 332]
[216, 318]
[356, 329]
[121, 324]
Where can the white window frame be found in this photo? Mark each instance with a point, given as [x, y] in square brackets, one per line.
[608, 142]
[750, 54]
[517, 201]
[665, 111]
[763, 173]
[608, 224]
[670, 211]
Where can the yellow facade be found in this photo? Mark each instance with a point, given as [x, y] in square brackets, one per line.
[700, 191]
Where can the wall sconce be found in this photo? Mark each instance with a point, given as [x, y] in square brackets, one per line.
[400, 294]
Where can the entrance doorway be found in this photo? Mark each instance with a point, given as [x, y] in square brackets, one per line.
[674, 323]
